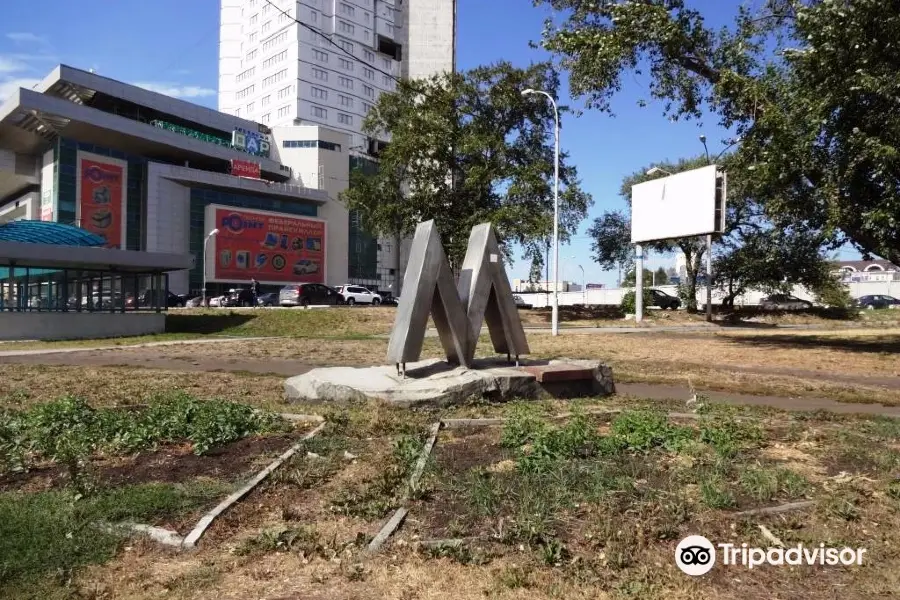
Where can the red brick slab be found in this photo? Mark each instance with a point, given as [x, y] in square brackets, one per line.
[557, 373]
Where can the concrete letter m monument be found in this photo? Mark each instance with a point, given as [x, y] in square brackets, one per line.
[482, 294]
[459, 309]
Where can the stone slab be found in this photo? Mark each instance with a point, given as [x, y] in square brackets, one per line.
[434, 383]
[554, 373]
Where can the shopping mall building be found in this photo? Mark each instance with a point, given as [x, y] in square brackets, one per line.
[156, 174]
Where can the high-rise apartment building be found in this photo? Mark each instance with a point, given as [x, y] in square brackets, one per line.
[329, 69]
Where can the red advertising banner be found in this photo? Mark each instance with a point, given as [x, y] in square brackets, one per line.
[245, 168]
[101, 200]
[269, 247]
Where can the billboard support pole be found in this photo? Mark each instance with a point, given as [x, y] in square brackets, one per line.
[639, 284]
[709, 278]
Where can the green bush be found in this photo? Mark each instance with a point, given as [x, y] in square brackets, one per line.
[629, 298]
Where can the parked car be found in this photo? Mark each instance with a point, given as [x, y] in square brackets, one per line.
[146, 299]
[239, 297]
[307, 294]
[217, 301]
[269, 299]
[663, 300]
[195, 302]
[784, 302]
[520, 303]
[357, 294]
[878, 301]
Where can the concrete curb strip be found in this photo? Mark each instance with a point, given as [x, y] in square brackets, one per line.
[774, 510]
[190, 540]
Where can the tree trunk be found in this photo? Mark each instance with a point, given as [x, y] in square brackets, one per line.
[693, 257]
[398, 275]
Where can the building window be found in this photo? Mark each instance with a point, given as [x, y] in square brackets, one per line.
[244, 92]
[319, 93]
[346, 100]
[345, 119]
[284, 110]
[386, 81]
[237, 112]
[369, 73]
[254, 19]
[368, 35]
[285, 92]
[265, 118]
[274, 59]
[266, 8]
[320, 56]
[313, 16]
[367, 17]
[311, 144]
[320, 74]
[251, 55]
[253, 37]
[386, 63]
[246, 74]
[347, 46]
[346, 82]
[366, 108]
[266, 26]
[348, 10]
[369, 91]
[250, 107]
[319, 112]
[389, 29]
[274, 78]
[265, 100]
[346, 27]
[370, 56]
[284, 16]
[274, 41]
[346, 64]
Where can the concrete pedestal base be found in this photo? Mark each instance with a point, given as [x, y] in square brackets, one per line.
[436, 383]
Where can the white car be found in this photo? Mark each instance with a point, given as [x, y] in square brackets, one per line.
[356, 294]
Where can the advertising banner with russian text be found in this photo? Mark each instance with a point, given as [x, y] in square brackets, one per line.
[101, 199]
[268, 247]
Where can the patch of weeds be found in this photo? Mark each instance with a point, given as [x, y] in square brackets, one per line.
[887, 428]
[764, 484]
[462, 553]
[194, 580]
[844, 506]
[374, 498]
[714, 492]
[577, 439]
[553, 552]
[69, 431]
[729, 436]
[293, 539]
[524, 425]
[893, 489]
[514, 578]
[645, 430]
[49, 532]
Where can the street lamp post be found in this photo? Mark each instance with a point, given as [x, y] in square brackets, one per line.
[583, 284]
[205, 243]
[555, 316]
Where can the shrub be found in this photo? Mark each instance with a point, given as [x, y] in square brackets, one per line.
[628, 301]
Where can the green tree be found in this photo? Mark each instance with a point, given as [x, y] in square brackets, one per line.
[662, 278]
[535, 275]
[809, 88]
[628, 280]
[468, 148]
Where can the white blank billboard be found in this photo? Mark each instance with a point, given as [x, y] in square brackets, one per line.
[681, 205]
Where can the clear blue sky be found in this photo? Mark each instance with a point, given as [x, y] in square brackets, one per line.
[172, 46]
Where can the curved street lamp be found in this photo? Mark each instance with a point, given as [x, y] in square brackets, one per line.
[555, 322]
[205, 243]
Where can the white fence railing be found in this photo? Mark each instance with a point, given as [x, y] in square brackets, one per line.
[614, 295]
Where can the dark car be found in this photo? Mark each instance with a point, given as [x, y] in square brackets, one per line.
[784, 302]
[878, 301]
[146, 299]
[270, 299]
[239, 297]
[663, 300]
[308, 294]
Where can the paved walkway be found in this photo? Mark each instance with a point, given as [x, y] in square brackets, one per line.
[287, 368]
[72, 349]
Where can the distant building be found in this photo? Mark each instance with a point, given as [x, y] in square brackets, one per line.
[524, 286]
[868, 270]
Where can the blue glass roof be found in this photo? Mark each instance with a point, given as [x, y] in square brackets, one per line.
[48, 232]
